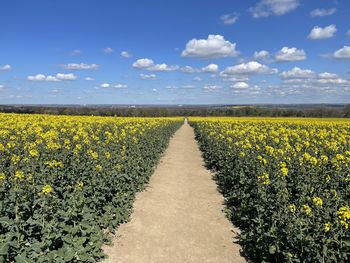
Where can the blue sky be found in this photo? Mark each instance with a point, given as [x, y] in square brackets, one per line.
[174, 52]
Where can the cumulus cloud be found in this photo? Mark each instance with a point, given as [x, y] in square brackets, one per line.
[163, 67]
[334, 81]
[105, 85]
[322, 12]
[108, 50]
[248, 68]
[5, 67]
[210, 87]
[211, 68]
[148, 64]
[266, 8]
[62, 76]
[229, 19]
[76, 66]
[290, 54]
[89, 79]
[262, 54]
[57, 77]
[125, 54]
[120, 86]
[298, 73]
[148, 76]
[327, 75]
[188, 86]
[116, 86]
[240, 85]
[143, 63]
[214, 47]
[188, 69]
[322, 33]
[197, 78]
[343, 53]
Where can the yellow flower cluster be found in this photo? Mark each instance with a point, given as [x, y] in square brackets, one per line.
[295, 170]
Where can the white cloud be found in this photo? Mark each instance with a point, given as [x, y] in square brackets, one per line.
[248, 68]
[343, 53]
[120, 86]
[189, 69]
[298, 73]
[327, 75]
[262, 54]
[57, 77]
[51, 78]
[69, 76]
[163, 67]
[322, 33]
[108, 85]
[188, 86]
[108, 50]
[290, 54]
[2, 87]
[105, 85]
[148, 76]
[89, 79]
[210, 87]
[266, 8]
[125, 54]
[229, 19]
[154, 90]
[334, 81]
[38, 77]
[76, 66]
[211, 68]
[214, 47]
[76, 52]
[5, 67]
[323, 12]
[240, 85]
[145, 63]
[197, 78]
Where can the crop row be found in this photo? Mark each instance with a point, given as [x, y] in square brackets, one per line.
[67, 182]
[286, 183]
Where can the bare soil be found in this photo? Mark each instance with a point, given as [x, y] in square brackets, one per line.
[179, 217]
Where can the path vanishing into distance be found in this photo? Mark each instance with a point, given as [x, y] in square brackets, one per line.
[178, 218]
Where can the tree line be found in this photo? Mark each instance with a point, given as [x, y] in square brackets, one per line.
[167, 111]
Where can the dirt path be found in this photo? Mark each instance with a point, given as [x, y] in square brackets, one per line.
[179, 217]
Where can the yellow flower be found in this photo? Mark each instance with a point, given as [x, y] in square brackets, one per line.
[47, 189]
[264, 179]
[292, 208]
[19, 175]
[317, 201]
[327, 227]
[344, 215]
[307, 210]
[34, 153]
[284, 171]
[2, 176]
[98, 167]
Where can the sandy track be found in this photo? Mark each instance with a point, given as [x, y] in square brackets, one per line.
[179, 217]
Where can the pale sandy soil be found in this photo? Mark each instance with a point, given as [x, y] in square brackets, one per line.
[179, 217]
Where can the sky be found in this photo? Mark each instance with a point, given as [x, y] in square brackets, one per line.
[174, 51]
